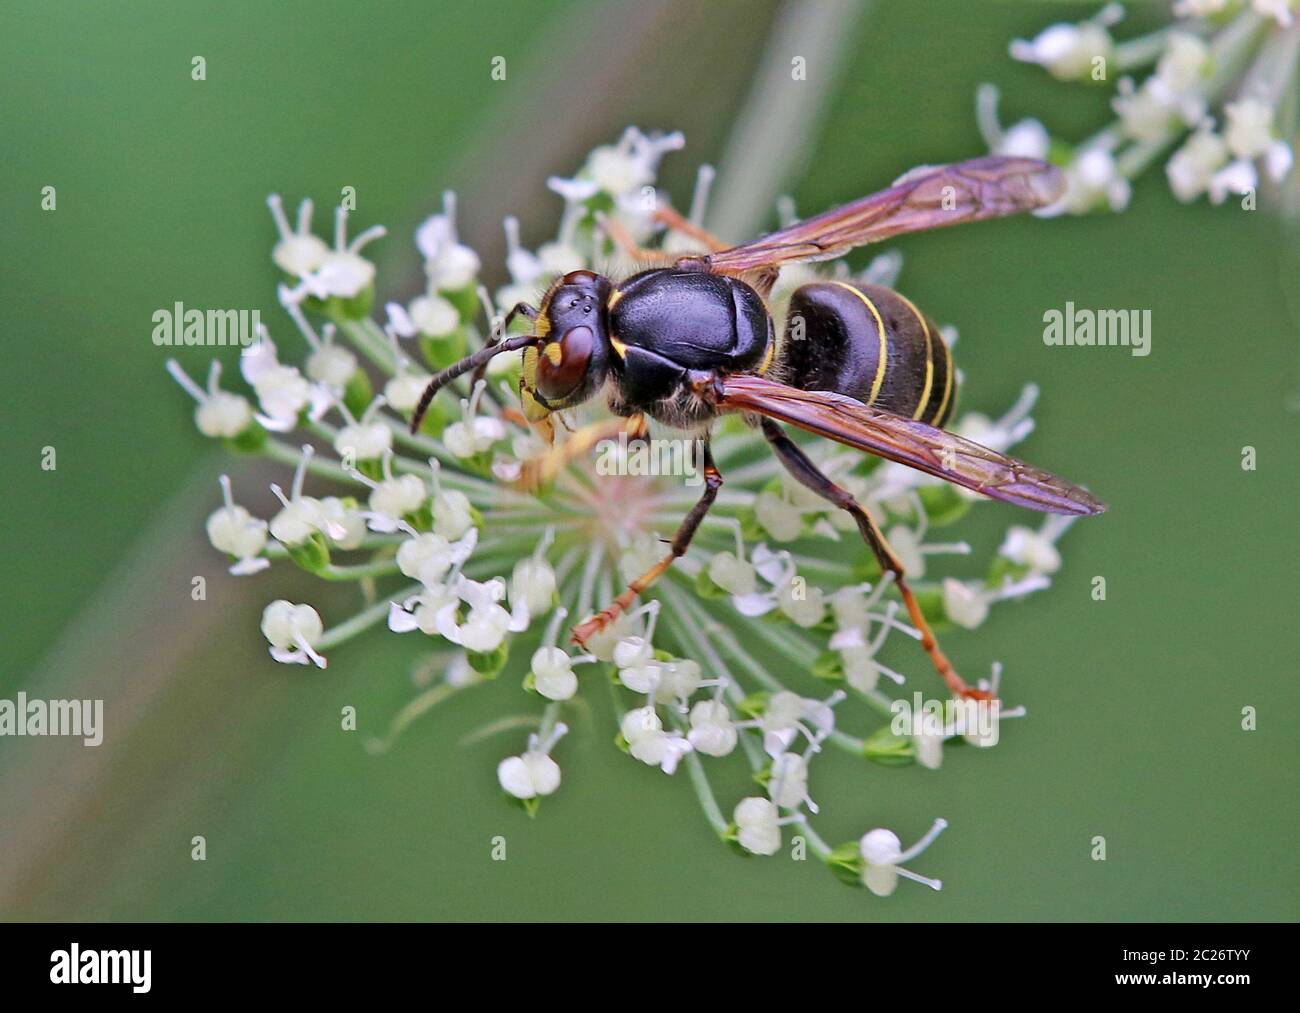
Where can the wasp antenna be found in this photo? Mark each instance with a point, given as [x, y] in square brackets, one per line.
[470, 362]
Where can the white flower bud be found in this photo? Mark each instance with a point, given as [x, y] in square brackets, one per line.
[529, 775]
[397, 497]
[452, 514]
[779, 518]
[712, 730]
[1250, 127]
[758, 831]
[1026, 547]
[403, 391]
[236, 532]
[292, 631]
[434, 315]
[223, 414]
[1192, 167]
[678, 681]
[806, 609]
[299, 254]
[366, 441]
[633, 652]
[344, 525]
[427, 557]
[788, 786]
[301, 518]
[1066, 51]
[455, 268]
[964, 603]
[533, 583]
[883, 854]
[736, 576]
[553, 675]
[559, 258]
[331, 365]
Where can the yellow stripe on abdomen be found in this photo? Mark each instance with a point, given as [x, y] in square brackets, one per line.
[883, 359]
[929, 357]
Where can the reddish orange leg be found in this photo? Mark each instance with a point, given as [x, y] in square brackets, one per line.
[628, 246]
[712, 483]
[670, 216]
[803, 469]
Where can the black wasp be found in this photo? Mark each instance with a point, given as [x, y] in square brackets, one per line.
[694, 338]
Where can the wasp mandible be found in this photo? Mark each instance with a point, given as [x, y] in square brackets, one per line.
[693, 338]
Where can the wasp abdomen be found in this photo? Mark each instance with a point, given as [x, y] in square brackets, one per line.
[869, 343]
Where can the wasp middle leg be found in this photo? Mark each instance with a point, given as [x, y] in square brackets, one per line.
[681, 541]
[675, 220]
[805, 471]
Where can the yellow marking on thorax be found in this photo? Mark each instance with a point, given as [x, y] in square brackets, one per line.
[768, 356]
[614, 297]
[883, 359]
[620, 349]
[929, 356]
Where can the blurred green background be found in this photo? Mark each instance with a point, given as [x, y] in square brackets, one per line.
[1135, 703]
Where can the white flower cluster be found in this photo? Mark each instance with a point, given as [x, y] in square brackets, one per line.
[1220, 77]
[440, 545]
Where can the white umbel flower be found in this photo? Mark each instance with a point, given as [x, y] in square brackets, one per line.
[293, 632]
[884, 856]
[758, 826]
[474, 434]
[1067, 51]
[433, 315]
[219, 413]
[713, 732]
[428, 557]
[236, 532]
[392, 498]
[533, 773]
[450, 265]
[648, 742]
[299, 250]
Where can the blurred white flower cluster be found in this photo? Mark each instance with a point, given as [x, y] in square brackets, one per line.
[1220, 102]
[766, 640]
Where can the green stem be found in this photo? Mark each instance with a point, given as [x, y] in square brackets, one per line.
[362, 621]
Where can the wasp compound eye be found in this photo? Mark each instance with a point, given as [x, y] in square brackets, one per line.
[563, 364]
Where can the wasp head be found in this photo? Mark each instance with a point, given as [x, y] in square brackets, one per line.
[570, 362]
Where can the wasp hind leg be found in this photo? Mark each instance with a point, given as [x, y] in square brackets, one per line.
[681, 541]
[803, 469]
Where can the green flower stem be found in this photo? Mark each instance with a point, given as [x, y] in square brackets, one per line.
[550, 715]
[691, 625]
[362, 621]
[274, 550]
[359, 571]
[285, 454]
[1133, 54]
[703, 790]
[420, 706]
[819, 847]
[370, 342]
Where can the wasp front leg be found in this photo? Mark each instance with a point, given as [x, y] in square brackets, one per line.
[802, 468]
[681, 541]
[542, 469]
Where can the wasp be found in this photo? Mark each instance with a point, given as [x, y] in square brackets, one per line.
[693, 338]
